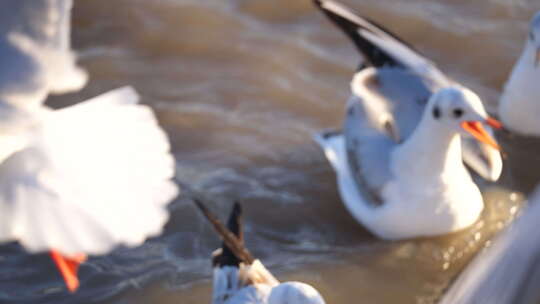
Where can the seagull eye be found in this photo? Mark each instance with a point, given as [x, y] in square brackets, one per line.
[436, 112]
[458, 113]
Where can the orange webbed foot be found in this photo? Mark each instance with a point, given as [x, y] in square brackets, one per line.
[68, 267]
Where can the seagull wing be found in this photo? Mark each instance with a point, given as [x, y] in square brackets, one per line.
[39, 30]
[379, 46]
[93, 176]
[384, 50]
[386, 106]
[47, 22]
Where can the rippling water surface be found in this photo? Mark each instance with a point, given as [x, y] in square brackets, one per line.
[241, 85]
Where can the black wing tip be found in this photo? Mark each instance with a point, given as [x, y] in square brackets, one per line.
[321, 4]
[226, 257]
[318, 3]
[327, 134]
[232, 251]
[373, 54]
[234, 223]
[341, 21]
[236, 211]
[348, 27]
[200, 205]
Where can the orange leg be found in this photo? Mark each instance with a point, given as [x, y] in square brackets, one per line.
[68, 267]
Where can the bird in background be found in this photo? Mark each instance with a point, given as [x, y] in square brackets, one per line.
[239, 278]
[409, 130]
[80, 180]
[519, 106]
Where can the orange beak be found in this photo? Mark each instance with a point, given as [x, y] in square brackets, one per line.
[68, 267]
[476, 129]
[494, 123]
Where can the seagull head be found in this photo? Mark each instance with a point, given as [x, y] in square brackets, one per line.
[534, 38]
[462, 110]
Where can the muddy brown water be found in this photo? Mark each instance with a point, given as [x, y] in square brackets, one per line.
[241, 86]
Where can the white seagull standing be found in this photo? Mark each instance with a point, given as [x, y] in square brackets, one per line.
[241, 279]
[79, 180]
[400, 159]
[519, 107]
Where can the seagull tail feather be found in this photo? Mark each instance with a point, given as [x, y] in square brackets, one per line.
[233, 252]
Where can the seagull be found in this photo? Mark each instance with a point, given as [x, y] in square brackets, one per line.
[42, 28]
[239, 278]
[506, 272]
[519, 107]
[83, 179]
[407, 133]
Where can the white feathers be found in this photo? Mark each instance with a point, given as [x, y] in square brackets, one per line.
[35, 52]
[247, 284]
[483, 159]
[519, 109]
[83, 179]
[254, 284]
[226, 284]
[48, 34]
[294, 292]
[58, 70]
[256, 273]
[377, 110]
[91, 176]
[419, 187]
[397, 49]
[399, 161]
[395, 84]
[334, 150]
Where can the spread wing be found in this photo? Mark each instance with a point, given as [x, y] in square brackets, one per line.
[36, 42]
[95, 175]
[378, 46]
[47, 22]
[402, 65]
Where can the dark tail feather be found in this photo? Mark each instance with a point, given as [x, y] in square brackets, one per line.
[373, 54]
[235, 226]
[233, 250]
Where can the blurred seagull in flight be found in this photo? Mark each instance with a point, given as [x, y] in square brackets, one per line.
[239, 278]
[408, 131]
[79, 180]
[519, 107]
